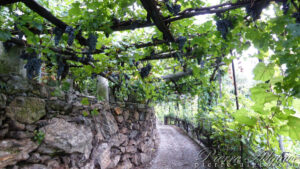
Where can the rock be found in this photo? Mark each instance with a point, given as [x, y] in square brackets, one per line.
[102, 155]
[125, 156]
[30, 127]
[2, 101]
[122, 149]
[133, 134]
[108, 124]
[96, 106]
[19, 134]
[142, 115]
[35, 166]
[90, 165]
[115, 151]
[34, 158]
[136, 126]
[118, 139]
[13, 151]
[130, 149]
[148, 116]
[14, 125]
[2, 118]
[3, 132]
[99, 137]
[77, 107]
[136, 160]
[56, 92]
[118, 110]
[120, 119]
[132, 142]
[40, 90]
[126, 115]
[136, 116]
[70, 97]
[145, 158]
[66, 160]
[26, 109]
[141, 106]
[146, 146]
[56, 105]
[17, 84]
[144, 133]
[45, 149]
[52, 163]
[124, 130]
[125, 165]
[43, 92]
[114, 162]
[68, 137]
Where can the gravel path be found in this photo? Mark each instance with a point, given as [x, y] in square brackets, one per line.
[176, 150]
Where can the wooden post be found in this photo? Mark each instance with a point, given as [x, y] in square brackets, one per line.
[237, 107]
[102, 88]
[10, 62]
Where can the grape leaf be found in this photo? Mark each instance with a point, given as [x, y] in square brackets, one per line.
[260, 95]
[4, 36]
[75, 10]
[294, 124]
[296, 105]
[243, 116]
[263, 72]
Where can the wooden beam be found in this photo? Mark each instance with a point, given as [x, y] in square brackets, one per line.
[7, 2]
[177, 76]
[153, 12]
[165, 55]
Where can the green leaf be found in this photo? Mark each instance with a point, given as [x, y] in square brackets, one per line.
[243, 116]
[85, 101]
[284, 130]
[85, 113]
[75, 10]
[294, 124]
[260, 94]
[95, 112]
[263, 72]
[4, 36]
[259, 108]
[294, 28]
[296, 105]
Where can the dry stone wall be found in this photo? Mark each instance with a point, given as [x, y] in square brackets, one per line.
[40, 129]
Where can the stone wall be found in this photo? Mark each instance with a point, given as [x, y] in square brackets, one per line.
[42, 128]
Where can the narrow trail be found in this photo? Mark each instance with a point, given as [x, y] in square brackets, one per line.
[176, 150]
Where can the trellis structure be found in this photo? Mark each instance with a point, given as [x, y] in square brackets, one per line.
[155, 18]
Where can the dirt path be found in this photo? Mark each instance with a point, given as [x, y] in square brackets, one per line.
[176, 150]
